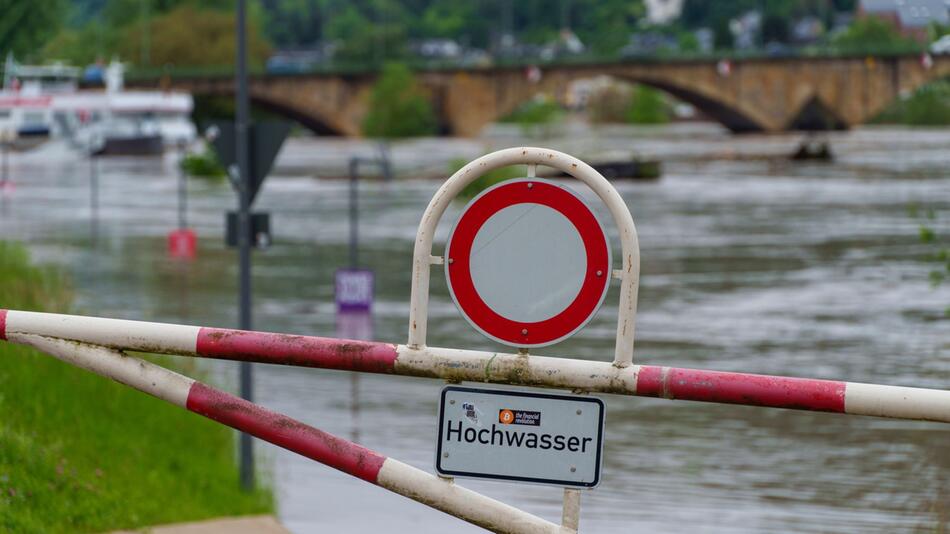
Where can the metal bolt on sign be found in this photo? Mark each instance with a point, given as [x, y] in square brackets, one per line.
[100, 345]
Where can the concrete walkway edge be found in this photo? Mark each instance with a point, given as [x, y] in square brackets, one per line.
[257, 524]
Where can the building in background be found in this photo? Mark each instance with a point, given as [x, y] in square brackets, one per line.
[663, 11]
[911, 18]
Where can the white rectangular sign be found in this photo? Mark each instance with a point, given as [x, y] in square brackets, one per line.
[520, 436]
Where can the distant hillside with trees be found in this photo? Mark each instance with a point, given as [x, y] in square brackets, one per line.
[157, 33]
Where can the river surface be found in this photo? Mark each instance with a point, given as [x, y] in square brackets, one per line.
[750, 263]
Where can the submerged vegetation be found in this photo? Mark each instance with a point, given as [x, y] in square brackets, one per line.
[647, 106]
[203, 164]
[535, 115]
[80, 453]
[938, 250]
[620, 103]
[928, 106]
[398, 107]
[486, 180]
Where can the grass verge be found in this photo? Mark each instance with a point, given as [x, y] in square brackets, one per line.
[80, 453]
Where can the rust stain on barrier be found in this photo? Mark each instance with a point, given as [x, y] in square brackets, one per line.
[218, 335]
[289, 349]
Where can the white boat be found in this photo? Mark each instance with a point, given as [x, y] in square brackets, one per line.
[26, 100]
[44, 101]
[129, 122]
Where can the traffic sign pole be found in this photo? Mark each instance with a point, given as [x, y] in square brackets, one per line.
[182, 188]
[94, 198]
[354, 212]
[182, 242]
[244, 230]
[5, 174]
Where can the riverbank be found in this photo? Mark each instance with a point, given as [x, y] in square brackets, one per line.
[80, 453]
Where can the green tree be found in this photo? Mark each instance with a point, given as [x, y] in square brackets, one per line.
[647, 107]
[775, 28]
[446, 18]
[927, 106]
[872, 33]
[119, 13]
[936, 31]
[189, 35]
[398, 107]
[606, 26]
[376, 34]
[722, 35]
[687, 42]
[81, 46]
[350, 28]
[179, 32]
[292, 23]
[25, 26]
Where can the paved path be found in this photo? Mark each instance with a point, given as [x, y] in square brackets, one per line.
[258, 524]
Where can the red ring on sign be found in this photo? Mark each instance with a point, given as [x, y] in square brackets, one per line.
[458, 267]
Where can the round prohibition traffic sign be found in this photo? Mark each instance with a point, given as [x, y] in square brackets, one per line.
[528, 263]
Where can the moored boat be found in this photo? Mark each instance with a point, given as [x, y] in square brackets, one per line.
[39, 102]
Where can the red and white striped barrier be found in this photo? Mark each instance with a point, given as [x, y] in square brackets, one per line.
[95, 344]
[478, 366]
[290, 434]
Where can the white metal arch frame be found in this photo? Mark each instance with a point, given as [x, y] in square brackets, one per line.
[628, 274]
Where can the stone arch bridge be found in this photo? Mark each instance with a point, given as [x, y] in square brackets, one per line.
[753, 95]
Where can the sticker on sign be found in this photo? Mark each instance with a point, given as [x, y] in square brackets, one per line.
[520, 436]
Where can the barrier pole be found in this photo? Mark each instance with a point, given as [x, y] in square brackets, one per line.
[295, 436]
[571, 513]
[494, 367]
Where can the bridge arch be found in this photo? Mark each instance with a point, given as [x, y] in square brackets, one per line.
[314, 122]
[307, 105]
[730, 116]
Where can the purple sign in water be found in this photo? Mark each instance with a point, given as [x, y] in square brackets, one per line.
[354, 289]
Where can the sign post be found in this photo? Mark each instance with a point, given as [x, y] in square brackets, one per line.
[353, 286]
[248, 152]
[7, 135]
[182, 242]
[93, 197]
[528, 264]
[242, 150]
